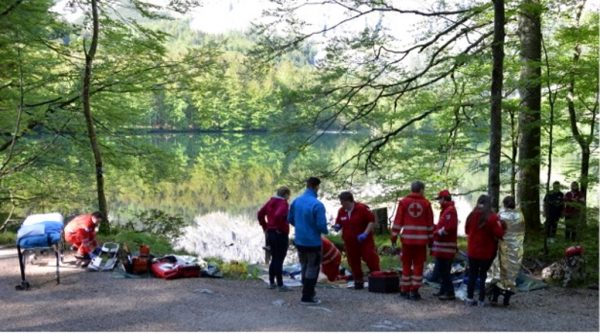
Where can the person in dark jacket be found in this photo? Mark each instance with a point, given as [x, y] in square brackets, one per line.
[307, 215]
[483, 229]
[554, 205]
[272, 217]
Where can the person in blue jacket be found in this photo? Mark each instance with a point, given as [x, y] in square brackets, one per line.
[307, 215]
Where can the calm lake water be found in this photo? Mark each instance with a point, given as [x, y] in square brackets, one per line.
[218, 182]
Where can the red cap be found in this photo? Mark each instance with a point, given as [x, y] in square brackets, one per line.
[443, 194]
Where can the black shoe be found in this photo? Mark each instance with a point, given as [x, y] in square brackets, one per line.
[506, 300]
[415, 296]
[438, 294]
[359, 285]
[404, 295]
[447, 297]
[311, 301]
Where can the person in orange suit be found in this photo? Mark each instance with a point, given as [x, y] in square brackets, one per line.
[414, 223]
[81, 233]
[332, 258]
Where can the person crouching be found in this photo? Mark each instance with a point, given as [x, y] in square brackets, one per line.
[80, 232]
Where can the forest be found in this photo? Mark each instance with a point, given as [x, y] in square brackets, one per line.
[505, 87]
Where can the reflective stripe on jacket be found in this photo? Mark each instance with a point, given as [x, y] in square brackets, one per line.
[444, 245]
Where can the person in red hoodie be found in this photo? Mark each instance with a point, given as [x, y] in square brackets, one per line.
[272, 217]
[414, 223]
[356, 221]
[81, 233]
[444, 244]
[483, 229]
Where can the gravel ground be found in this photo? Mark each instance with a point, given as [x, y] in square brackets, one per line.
[91, 301]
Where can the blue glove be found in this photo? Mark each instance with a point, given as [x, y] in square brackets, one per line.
[362, 236]
[337, 227]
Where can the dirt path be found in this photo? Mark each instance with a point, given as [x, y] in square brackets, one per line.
[88, 301]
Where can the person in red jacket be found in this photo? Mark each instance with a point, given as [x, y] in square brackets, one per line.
[332, 258]
[414, 223]
[356, 221]
[574, 205]
[444, 244]
[272, 217]
[483, 229]
[81, 233]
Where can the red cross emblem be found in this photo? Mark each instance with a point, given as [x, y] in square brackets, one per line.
[415, 209]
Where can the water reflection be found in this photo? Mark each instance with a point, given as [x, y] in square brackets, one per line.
[218, 181]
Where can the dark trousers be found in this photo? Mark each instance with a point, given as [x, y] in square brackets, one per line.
[310, 260]
[443, 267]
[278, 242]
[551, 224]
[478, 269]
[571, 226]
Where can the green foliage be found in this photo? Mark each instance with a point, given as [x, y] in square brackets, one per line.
[235, 269]
[159, 245]
[8, 238]
[534, 247]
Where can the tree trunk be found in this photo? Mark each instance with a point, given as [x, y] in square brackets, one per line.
[529, 116]
[496, 104]
[514, 149]
[551, 101]
[584, 144]
[87, 76]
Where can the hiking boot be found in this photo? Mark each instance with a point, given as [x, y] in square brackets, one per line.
[359, 285]
[311, 301]
[438, 294]
[415, 296]
[404, 294]
[272, 286]
[284, 288]
[482, 304]
[470, 302]
[447, 297]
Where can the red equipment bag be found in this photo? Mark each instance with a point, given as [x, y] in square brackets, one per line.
[574, 251]
[384, 282]
[170, 267]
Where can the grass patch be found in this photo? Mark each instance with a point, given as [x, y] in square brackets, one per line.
[8, 238]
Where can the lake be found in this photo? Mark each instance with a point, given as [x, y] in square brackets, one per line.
[217, 182]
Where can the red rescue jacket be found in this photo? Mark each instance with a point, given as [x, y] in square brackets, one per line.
[415, 218]
[482, 243]
[444, 245]
[357, 222]
[573, 204]
[275, 211]
[330, 253]
[83, 226]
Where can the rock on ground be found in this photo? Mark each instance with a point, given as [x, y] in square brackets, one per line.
[92, 301]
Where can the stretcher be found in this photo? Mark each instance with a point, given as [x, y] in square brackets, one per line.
[39, 232]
